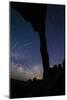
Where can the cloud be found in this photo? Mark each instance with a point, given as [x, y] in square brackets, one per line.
[26, 44]
[14, 46]
[17, 56]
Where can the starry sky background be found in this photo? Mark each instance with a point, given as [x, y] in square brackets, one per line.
[25, 57]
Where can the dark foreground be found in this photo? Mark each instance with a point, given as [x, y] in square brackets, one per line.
[53, 84]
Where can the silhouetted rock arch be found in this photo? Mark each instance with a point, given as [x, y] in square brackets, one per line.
[36, 15]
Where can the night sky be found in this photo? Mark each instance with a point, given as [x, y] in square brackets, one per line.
[26, 62]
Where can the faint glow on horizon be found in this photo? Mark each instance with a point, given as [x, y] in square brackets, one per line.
[18, 72]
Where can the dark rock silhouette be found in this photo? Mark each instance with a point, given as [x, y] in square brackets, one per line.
[52, 85]
[63, 64]
[36, 15]
[34, 79]
[55, 67]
